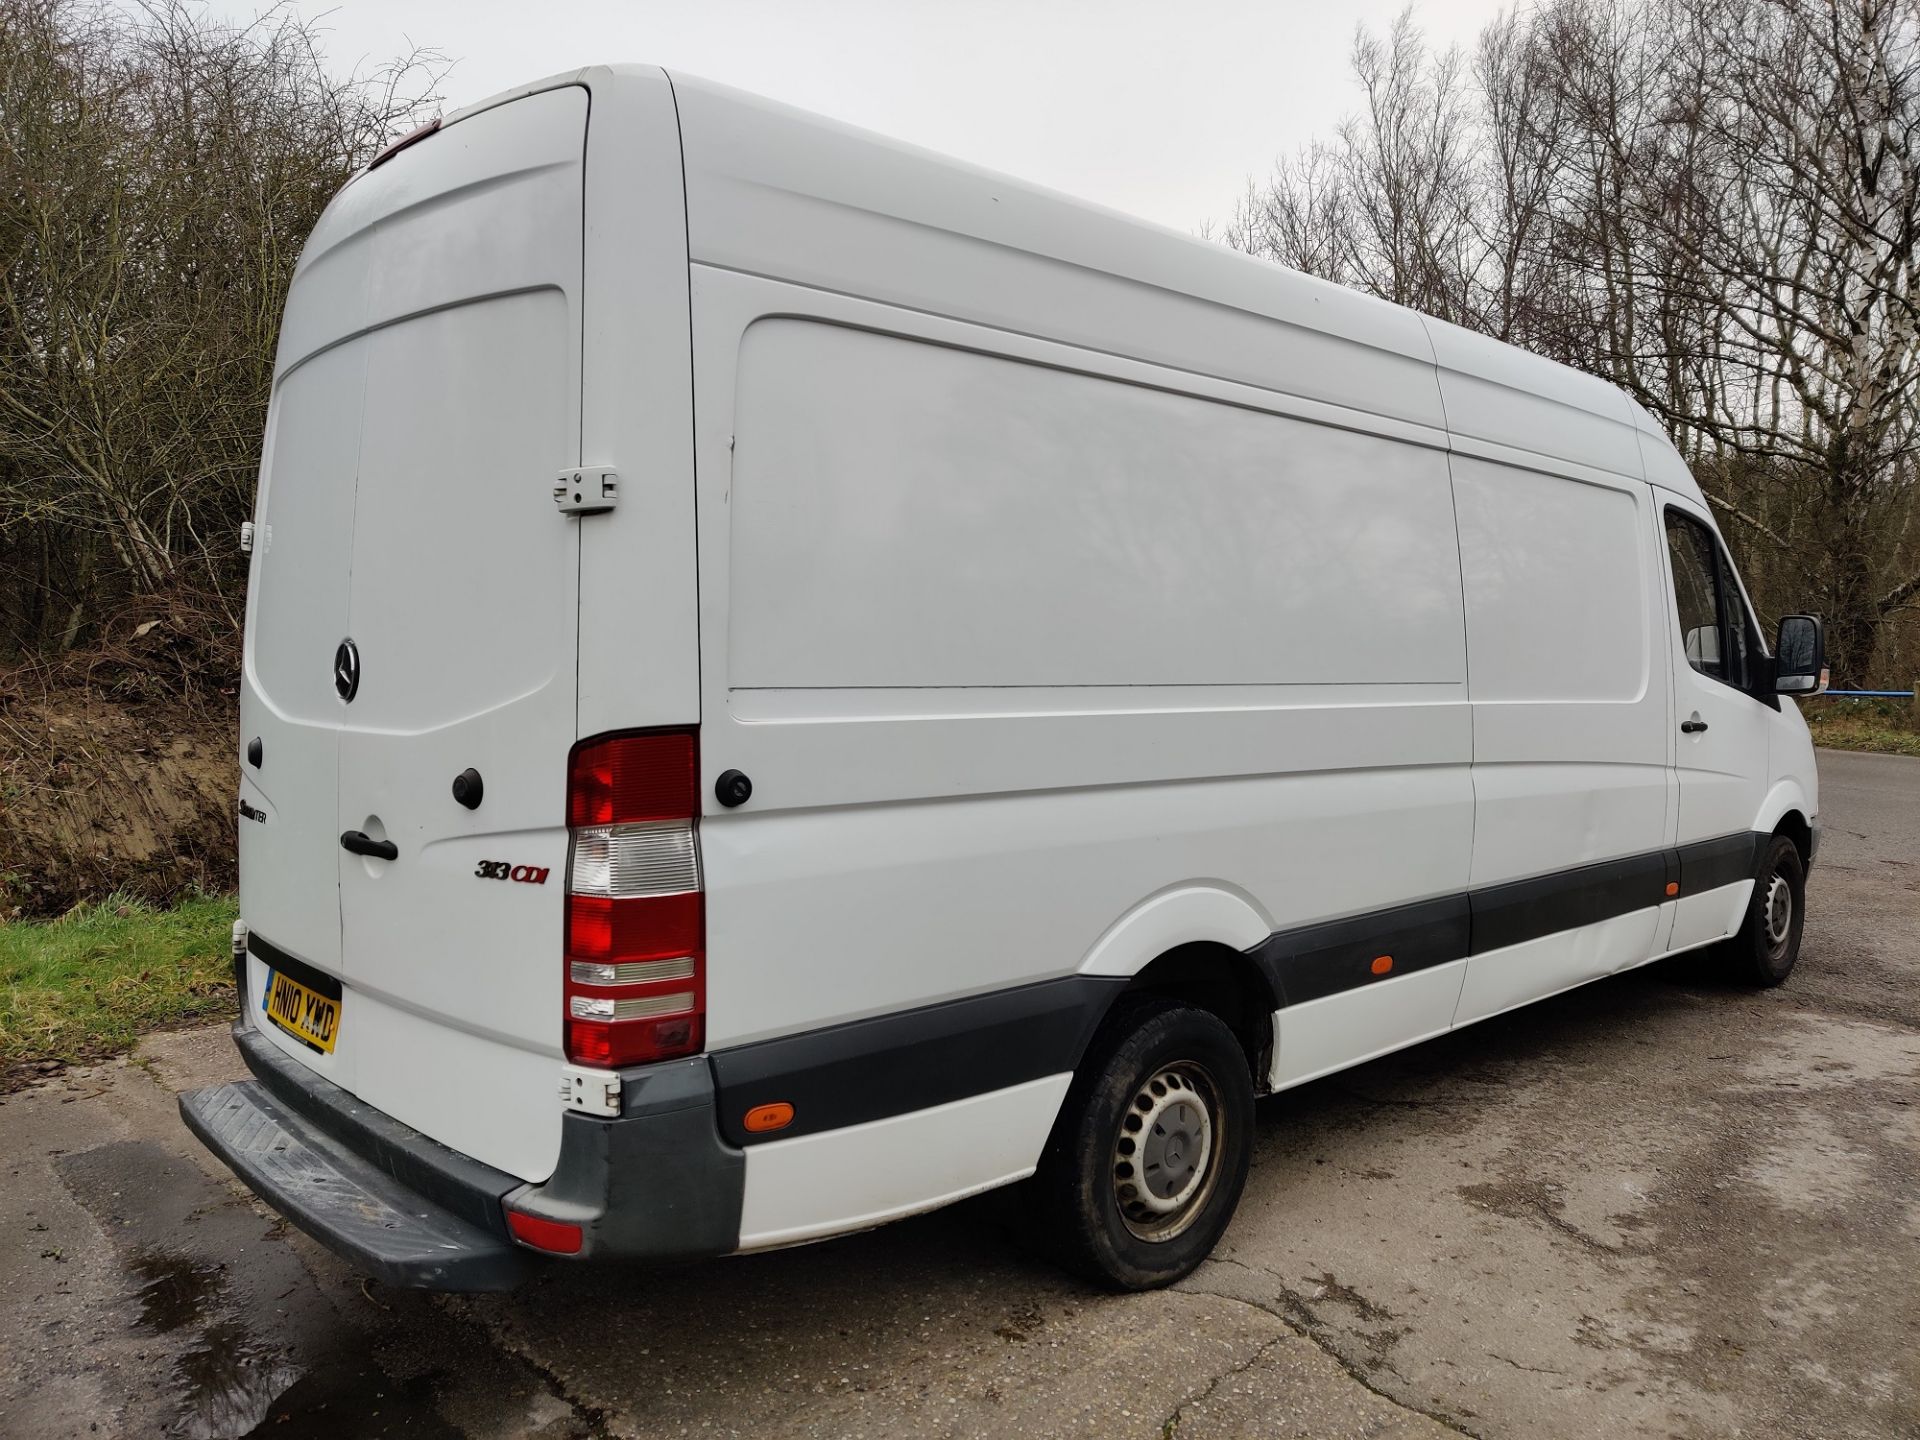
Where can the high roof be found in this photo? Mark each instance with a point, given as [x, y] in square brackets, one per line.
[787, 194]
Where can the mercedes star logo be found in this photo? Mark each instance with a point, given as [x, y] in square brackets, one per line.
[346, 671]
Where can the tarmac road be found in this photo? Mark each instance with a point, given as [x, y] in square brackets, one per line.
[1656, 1206]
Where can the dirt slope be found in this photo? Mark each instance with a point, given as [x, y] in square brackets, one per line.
[117, 772]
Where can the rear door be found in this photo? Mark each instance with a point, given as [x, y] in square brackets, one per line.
[461, 605]
[413, 618]
[296, 614]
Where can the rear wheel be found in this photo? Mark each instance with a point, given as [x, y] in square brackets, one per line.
[1768, 943]
[1147, 1159]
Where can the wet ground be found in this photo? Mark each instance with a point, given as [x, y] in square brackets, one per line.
[1657, 1206]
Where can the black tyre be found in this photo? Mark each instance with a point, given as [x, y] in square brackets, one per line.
[1764, 951]
[1148, 1157]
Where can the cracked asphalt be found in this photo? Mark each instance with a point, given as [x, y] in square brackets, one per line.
[1657, 1206]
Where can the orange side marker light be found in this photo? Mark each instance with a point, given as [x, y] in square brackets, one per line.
[762, 1118]
[1382, 964]
[1673, 887]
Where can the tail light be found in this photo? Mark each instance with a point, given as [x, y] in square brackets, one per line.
[636, 984]
[557, 1237]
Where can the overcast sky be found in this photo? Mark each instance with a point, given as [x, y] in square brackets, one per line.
[1161, 109]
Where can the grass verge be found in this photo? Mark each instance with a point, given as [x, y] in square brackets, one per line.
[1886, 727]
[91, 983]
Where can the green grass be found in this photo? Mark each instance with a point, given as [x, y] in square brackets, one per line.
[91, 983]
[1887, 727]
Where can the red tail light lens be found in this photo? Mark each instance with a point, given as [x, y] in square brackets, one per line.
[554, 1236]
[635, 949]
[604, 931]
[608, 1046]
[633, 779]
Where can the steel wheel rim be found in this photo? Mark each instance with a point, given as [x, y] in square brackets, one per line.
[1779, 913]
[1166, 1154]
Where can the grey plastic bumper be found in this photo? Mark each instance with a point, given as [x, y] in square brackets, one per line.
[368, 1218]
[655, 1183]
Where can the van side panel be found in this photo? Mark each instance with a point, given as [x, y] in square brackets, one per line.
[902, 514]
[963, 784]
[965, 776]
[925, 392]
[1570, 706]
[1023, 711]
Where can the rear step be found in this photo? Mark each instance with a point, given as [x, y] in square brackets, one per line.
[365, 1215]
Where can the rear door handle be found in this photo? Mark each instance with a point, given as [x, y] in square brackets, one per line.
[358, 842]
[1693, 726]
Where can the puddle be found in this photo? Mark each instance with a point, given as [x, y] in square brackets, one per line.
[231, 1383]
[228, 1383]
[227, 1379]
[174, 1290]
[358, 1400]
[226, 1333]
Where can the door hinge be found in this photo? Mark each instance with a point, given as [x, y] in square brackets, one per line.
[246, 537]
[595, 1091]
[587, 490]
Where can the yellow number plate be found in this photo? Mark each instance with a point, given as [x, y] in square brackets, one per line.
[304, 1014]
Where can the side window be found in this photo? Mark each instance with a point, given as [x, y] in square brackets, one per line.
[1742, 642]
[1721, 638]
[1696, 592]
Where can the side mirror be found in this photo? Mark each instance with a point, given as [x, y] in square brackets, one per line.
[1800, 656]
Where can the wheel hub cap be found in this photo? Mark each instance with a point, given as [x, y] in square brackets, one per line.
[1779, 910]
[1162, 1170]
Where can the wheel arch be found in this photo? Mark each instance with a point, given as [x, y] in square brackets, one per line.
[1190, 944]
[1786, 812]
[1797, 828]
[1226, 983]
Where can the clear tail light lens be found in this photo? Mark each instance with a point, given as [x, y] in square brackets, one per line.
[635, 953]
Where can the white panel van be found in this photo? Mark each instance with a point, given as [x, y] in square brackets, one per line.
[790, 680]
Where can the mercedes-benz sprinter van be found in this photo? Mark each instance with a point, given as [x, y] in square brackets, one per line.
[790, 681]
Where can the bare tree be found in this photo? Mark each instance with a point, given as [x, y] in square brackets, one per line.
[1713, 203]
[1807, 237]
[161, 170]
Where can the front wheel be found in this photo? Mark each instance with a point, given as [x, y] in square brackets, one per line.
[1768, 943]
[1148, 1157]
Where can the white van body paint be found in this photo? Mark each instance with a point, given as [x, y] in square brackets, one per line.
[1337, 1031]
[1073, 592]
[1191, 915]
[797, 1189]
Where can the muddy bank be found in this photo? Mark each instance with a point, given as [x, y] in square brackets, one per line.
[117, 772]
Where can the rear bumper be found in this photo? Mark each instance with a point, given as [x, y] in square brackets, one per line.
[656, 1182]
